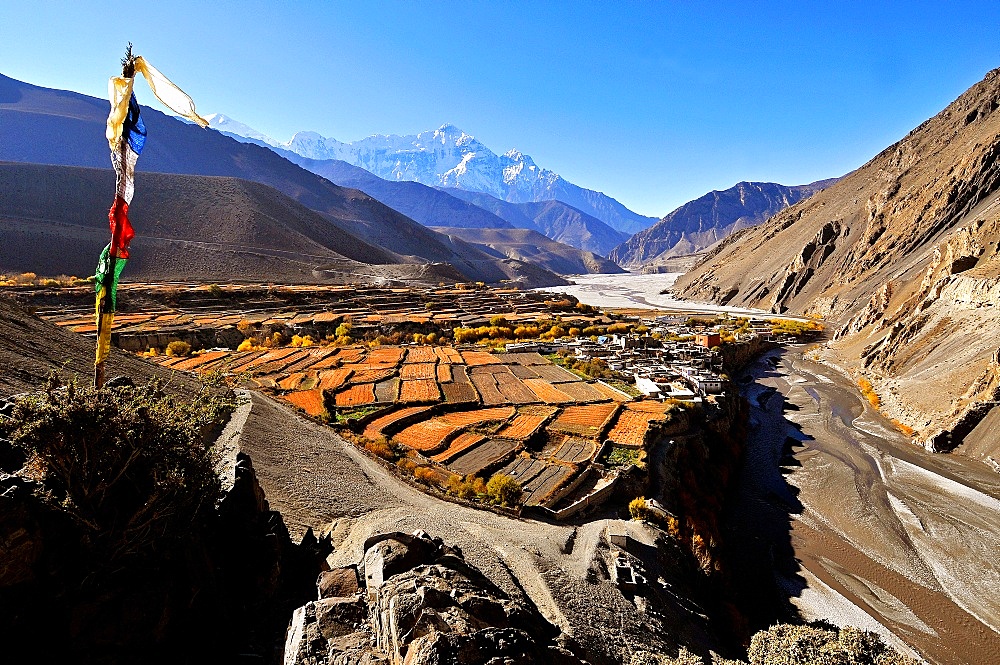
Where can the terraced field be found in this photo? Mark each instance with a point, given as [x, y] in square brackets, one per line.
[586, 420]
[458, 411]
[633, 422]
[482, 456]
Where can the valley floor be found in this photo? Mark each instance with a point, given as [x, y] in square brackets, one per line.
[867, 528]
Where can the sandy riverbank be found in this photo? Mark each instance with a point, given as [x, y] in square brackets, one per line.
[631, 290]
[863, 527]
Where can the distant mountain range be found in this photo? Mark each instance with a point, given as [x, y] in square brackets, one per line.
[554, 219]
[701, 223]
[448, 157]
[55, 127]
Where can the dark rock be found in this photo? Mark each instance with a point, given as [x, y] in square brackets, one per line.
[337, 617]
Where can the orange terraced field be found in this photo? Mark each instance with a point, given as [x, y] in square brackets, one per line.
[386, 356]
[650, 407]
[417, 371]
[448, 355]
[419, 390]
[474, 358]
[586, 420]
[632, 425]
[331, 360]
[524, 425]
[372, 375]
[421, 354]
[333, 378]
[199, 360]
[444, 373]
[357, 394]
[458, 444]
[466, 418]
[546, 392]
[425, 436]
[375, 428]
[294, 380]
[351, 354]
[310, 401]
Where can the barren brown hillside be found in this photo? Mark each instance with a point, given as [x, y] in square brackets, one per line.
[901, 255]
[53, 219]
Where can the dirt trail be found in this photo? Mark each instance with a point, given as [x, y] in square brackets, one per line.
[881, 529]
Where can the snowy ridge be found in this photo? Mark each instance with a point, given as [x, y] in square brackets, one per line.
[448, 157]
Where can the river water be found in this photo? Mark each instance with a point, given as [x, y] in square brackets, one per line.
[857, 525]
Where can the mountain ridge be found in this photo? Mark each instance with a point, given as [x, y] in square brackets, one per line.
[554, 219]
[449, 157]
[901, 256]
[704, 221]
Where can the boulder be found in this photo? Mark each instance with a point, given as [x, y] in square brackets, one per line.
[338, 583]
[425, 605]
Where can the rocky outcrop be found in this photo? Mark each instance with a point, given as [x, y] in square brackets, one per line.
[417, 602]
[225, 588]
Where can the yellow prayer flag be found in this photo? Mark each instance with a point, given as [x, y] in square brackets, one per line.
[173, 97]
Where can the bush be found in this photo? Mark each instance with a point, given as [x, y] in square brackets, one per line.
[468, 488]
[215, 290]
[638, 509]
[504, 490]
[426, 475]
[178, 348]
[381, 448]
[869, 392]
[302, 341]
[785, 644]
[127, 465]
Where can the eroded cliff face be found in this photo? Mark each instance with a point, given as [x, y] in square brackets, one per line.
[901, 257]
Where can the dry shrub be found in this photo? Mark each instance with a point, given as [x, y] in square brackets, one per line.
[381, 448]
[178, 348]
[638, 509]
[786, 644]
[426, 475]
[129, 466]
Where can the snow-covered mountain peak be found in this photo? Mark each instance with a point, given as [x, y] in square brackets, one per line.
[449, 157]
[224, 123]
[519, 157]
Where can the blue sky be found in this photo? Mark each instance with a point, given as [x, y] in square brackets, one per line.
[654, 103]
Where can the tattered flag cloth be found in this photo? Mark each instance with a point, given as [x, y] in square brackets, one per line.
[126, 135]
